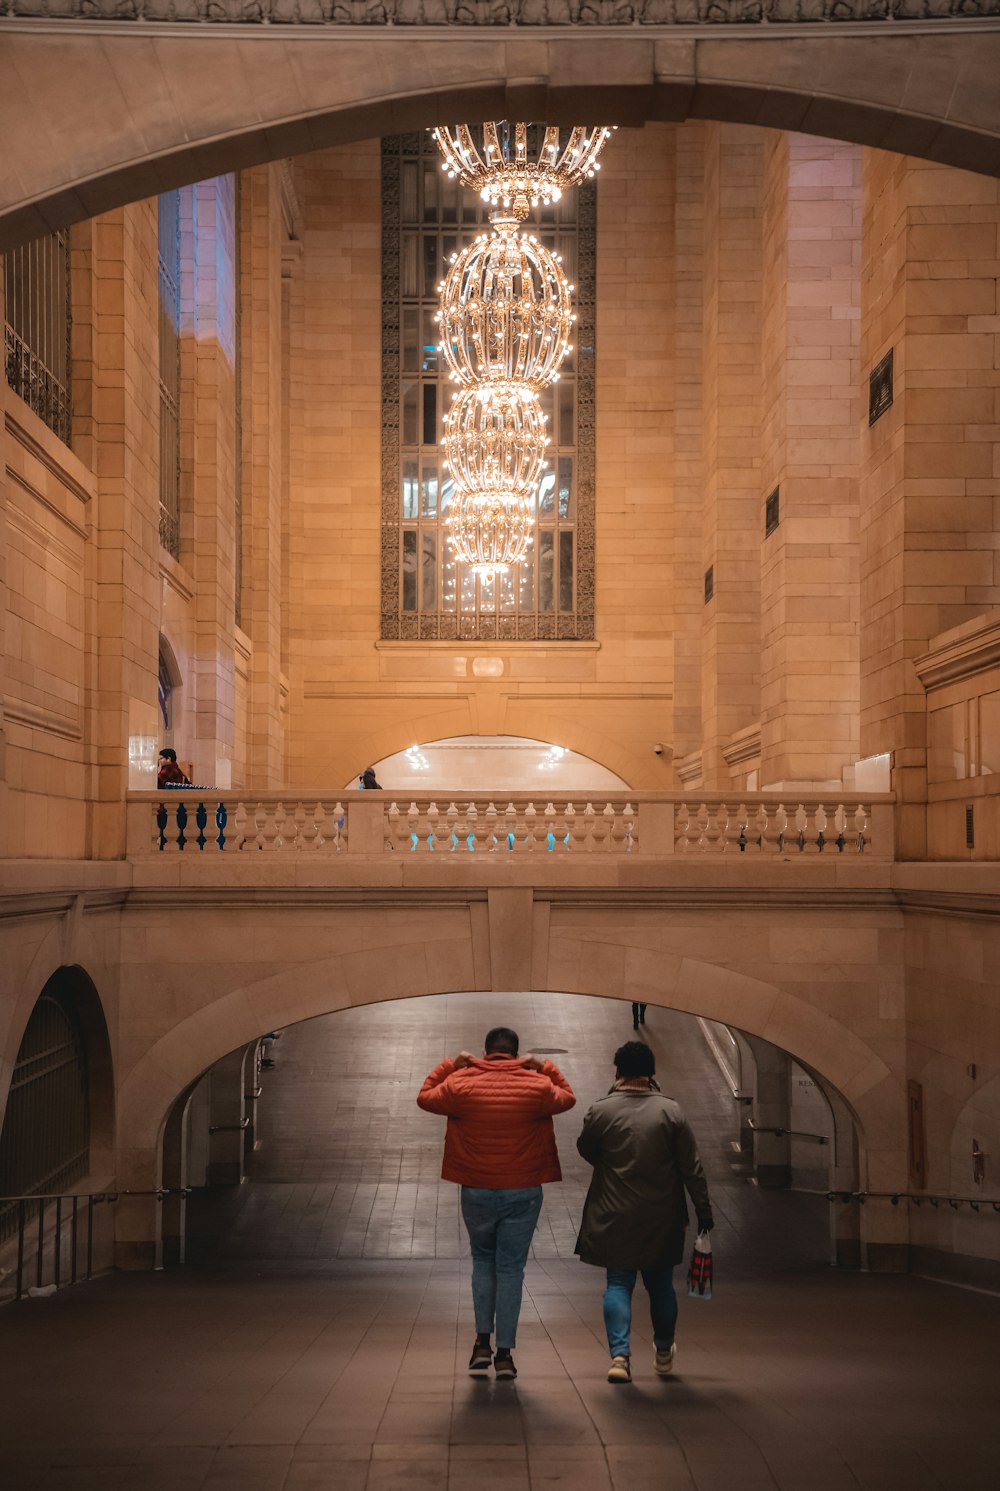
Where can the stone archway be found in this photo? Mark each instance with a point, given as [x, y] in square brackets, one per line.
[396, 963]
[178, 104]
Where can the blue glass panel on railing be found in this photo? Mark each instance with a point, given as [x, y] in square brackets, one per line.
[161, 823]
[221, 819]
[182, 818]
[201, 818]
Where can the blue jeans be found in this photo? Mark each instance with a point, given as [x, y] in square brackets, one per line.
[659, 1284]
[500, 1225]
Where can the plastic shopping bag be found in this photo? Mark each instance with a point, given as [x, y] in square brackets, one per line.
[700, 1272]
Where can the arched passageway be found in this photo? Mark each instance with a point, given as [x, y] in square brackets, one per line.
[179, 105]
[345, 1165]
[462, 764]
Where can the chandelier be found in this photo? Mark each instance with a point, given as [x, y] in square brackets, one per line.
[506, 317]
[505, 310]
[499, 169]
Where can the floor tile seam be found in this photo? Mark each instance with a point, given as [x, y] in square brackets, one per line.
[576, 1388]
[399, 1368]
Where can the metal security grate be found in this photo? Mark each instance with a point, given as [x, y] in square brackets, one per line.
[45, 1141]
[772, 513]
[169, 262]
[37, 328]
[880, 388]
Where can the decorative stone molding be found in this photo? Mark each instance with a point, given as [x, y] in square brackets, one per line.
[743, 746]
[689, 769]
[502, 13]
[961, 652]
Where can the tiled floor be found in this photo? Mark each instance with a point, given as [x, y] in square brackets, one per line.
[325, 1344]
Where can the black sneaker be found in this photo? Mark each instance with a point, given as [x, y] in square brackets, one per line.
[503, 1366]
[481, 1359]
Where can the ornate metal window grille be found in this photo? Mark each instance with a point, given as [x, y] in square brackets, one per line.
[426, 594]
[37, 328]
[709, 583]
[772, 513]
[169, 262]
[880, 388]
[45, 1142]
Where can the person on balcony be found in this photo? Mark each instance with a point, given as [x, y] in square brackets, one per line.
[644, 1158]
[168, 773]
[500, 1147]
[369, 782]
[638, 1014]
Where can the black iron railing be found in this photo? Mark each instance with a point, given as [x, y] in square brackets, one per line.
[53, 1241]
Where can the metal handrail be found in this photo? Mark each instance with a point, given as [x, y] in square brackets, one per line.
[933, 1198]
[758, 1128]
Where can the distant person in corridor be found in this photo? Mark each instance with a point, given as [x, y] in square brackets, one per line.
[644, 1158]
[500, 1147]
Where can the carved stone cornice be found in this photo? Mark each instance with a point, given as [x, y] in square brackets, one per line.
[749, 15]
[961, 653]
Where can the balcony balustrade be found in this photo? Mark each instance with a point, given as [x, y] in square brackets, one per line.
[319, 825]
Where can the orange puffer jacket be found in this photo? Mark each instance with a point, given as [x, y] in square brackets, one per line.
[500, 1135]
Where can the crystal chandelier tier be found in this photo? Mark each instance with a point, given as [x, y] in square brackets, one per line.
[498, 167]
[506, 312]
[506, 318]
[495, 440]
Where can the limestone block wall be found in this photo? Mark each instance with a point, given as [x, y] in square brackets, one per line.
[929, 464]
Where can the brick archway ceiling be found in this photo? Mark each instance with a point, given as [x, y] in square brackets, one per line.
[91, 120]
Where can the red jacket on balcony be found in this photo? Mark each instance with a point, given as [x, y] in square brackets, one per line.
[499, 1113]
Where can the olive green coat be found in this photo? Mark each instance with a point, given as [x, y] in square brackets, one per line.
[644, 1156]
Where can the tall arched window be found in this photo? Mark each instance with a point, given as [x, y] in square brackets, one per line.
[45, 1139]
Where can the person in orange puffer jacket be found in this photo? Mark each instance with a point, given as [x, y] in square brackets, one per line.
[500, 1147]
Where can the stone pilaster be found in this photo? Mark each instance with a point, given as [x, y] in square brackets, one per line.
[731, 524]
[809, 563]
[688, 580]
[261, 234]
[116, 434]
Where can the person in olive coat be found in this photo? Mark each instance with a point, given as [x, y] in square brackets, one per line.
[644, 1158]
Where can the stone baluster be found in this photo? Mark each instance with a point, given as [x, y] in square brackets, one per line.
[630, 832]
[240, 827]
[432, 827]
[551, 842]
[575, 828]
[260, 823]
[692, 832]
[779, 823]
[610, 827]
[415, 840]
[340, 818]
[280, 817]
[530, 832]
[392, 818]
[681, 827]
[702, 820]
[510, 827]
[471, 828]
[800, 822]
[491, 841]
[589, 817]
[758, 838]
[451, 817]
[819, 822]
[319, 823]
[840, 827]
[299, 824]
[715, 830]
[731, 824]
[861, 828]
